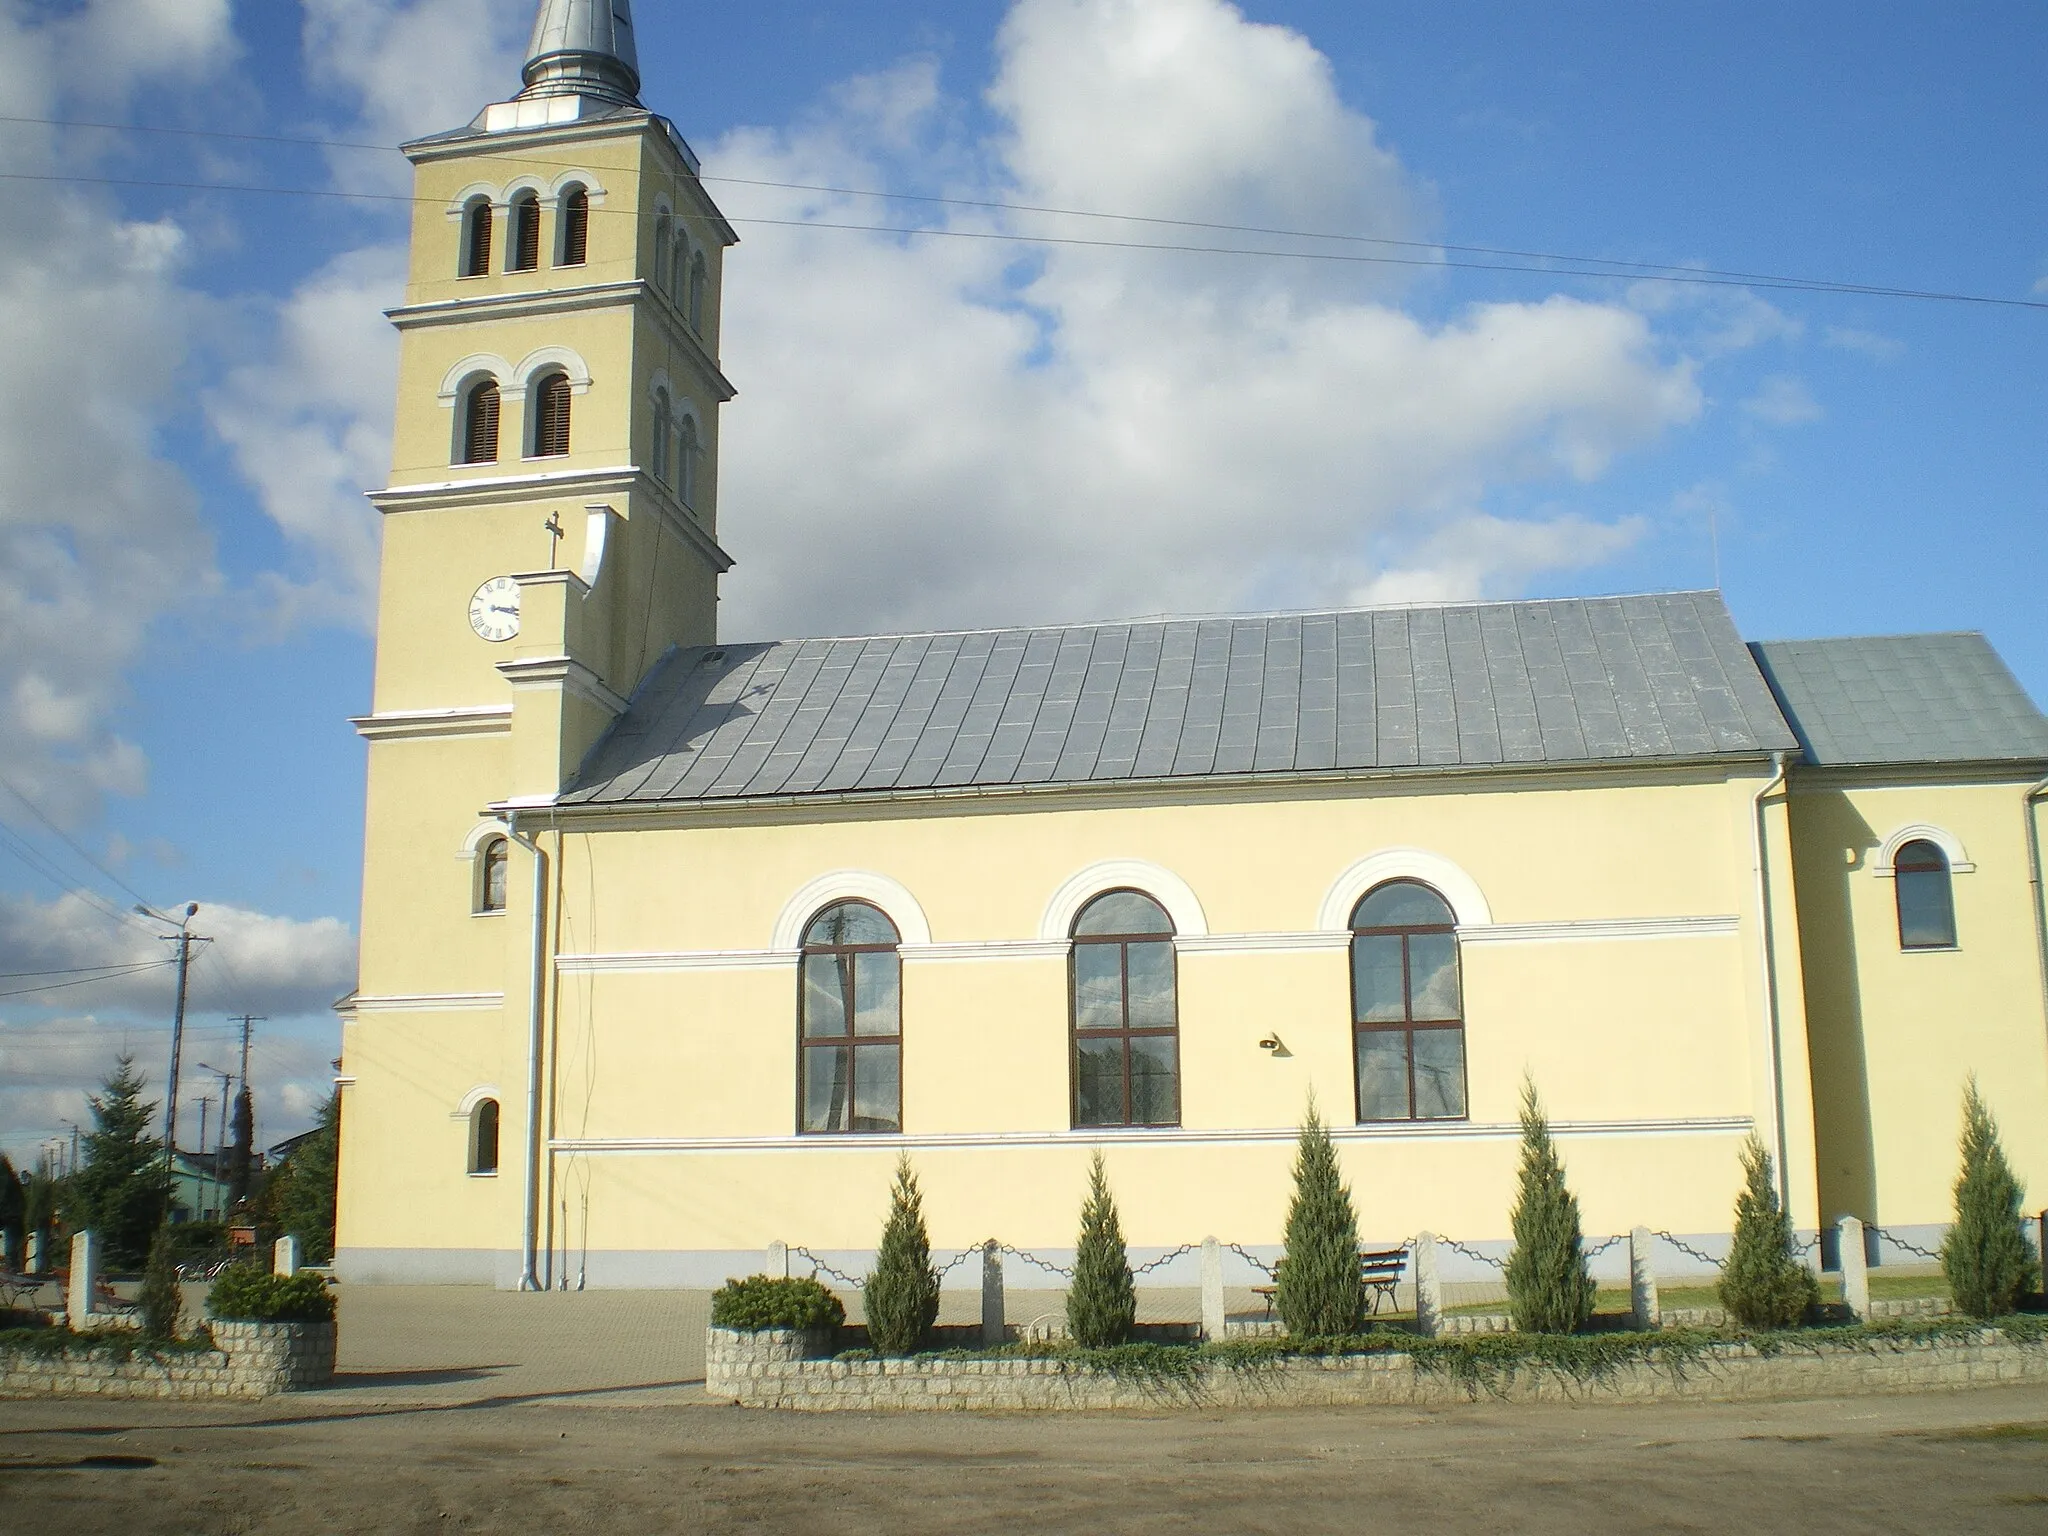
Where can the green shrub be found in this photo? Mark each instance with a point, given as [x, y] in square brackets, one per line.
[762, 1301]
[1317, 1288]
[1549, 1288]
[247, 1294]
[1763, 1284]
[1103, 1303]
[161, 1301]
[902, 1295]
[1985, 1255]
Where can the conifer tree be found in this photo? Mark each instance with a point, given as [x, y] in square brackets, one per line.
[13, 1202]
[1103, 1303]
[161, 1301]
[239, 1159]
[120, 1190]
[1317, 1287]
[1549, 1287]
[1985, 1255]
[301, 1195]
[902, 1295]
[1763, 1284]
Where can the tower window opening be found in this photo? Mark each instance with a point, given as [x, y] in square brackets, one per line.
[663, 274]
[483, 1139]
[491, 877]
[551, 417]
[526, 233]
[698, 279]
[476, 238]
[686, 462]
[575, 228]
[481, 410]
[663, 426]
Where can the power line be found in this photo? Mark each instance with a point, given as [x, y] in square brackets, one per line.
[133, 970]
[37, 812]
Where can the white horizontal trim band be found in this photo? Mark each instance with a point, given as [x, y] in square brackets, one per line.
[1588, 931]
[1455, 1130]
[431, 1002]
[423, 724]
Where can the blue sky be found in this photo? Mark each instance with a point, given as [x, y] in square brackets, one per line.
[184, 558]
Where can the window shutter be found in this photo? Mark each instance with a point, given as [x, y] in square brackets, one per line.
[551, 427]
[477, 258]
[480, 432]
[526, 238]
[576, 228]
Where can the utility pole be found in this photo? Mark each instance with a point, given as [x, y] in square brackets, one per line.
[220, 1147]
[184, 939]
[245, 1120]
[248, 1021]
[205, 1114]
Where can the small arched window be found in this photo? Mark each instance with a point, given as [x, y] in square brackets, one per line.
[494, 862]
[1926, 895]
[1126, 1013]
[575, 237]
[699, 276]
[526, 232]
[483, 1138]
[1407, 1005]
[550, 398]
[480, 415]
[686, 462]
[664, 276]
[851, 1022]
[664, 428]
[476, 238]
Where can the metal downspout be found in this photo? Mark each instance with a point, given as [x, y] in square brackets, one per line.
[2034, 883]
[1763, 897]
[529, 1237]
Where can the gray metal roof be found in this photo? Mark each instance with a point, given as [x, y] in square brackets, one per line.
[1582, 680]
[1903, 699]
[584, 48]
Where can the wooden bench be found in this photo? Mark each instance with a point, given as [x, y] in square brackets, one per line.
[1381, 1271]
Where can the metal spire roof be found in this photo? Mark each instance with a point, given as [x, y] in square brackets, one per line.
[584, 48]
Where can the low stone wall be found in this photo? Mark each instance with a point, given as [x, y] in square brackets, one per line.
[781, 1369]
[248, 1360]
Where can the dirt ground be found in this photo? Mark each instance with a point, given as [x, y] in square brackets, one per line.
[1955, 1462]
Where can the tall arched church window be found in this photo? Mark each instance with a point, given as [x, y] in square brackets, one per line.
[664, 427]
[480, 416]
[551, 416]
[1926, 896]
[476, 238]
[1407, 1005]
[526, 232]
[483, 1138]
[493, 865]
[575, 227]
[664, 273]
[698, 278]
[851, 1022]
[1126, 1013]
[686, 462]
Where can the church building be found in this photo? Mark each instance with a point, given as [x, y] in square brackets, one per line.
[673, 942]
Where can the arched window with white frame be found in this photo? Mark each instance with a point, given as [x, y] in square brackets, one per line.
[1407, 1005]
[525, 233]
[476, 237]
[483, 1139]
[699, 279]
[664, 429]
[572, 245]
[688, 451]
[850, 1024]
[1926, 896]
[1125, 1018]
[550, 396]
[493, 866]
[663, 243]
[481, 411]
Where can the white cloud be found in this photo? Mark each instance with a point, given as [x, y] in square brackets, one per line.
[107, 47]
[1475, 552]
[1870, 344]
[1783, 401]
[939, 431]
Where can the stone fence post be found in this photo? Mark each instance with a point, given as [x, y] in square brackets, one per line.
[1855, 1268]
[1213, 1317]
[85, 1275]
[1642, 1279]
[994, 1318]
[1429, 1288]
[37, 1241]
[284, 1257]
[778, 1261]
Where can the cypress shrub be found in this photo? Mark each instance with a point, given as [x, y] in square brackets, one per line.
[1763, 1284]
[902, 1295]
[1985, 1254]
[1103, 1303]
[1317, 1288]
[161, 1301]
[1549, 1288]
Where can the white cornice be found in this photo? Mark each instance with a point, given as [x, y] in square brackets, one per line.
[1603, 930]
[1164, 1136]
[565, 672]
[426, 724]
[432, 1002]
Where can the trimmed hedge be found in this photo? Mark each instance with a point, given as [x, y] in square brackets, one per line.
[246, 1294]
[760, 1301]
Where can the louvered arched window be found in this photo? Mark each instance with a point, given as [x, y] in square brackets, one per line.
[664, 428]
[550, 398]
[476, 238]
[480, 415]
[575, 217]
[1407, 1005]
[852, 1021]
[699, 277]
[1126, 1013]
[526, 232]
[664, 277]
[1926, 896]
[686, 462]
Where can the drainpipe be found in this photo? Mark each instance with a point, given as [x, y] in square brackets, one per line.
[1763, 898]
[529, 1237]
[2034, 881]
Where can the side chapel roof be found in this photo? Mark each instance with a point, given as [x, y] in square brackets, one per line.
[1570, 681]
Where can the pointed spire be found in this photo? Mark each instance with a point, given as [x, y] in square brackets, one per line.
[584, 48]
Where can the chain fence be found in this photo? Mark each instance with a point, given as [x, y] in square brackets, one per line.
[1062, 1270]
[1471, 1253]
[1899, 1242]
[1255, 1262]
[1688, 1250]
[1599, 1248]
[820, 1267]
[1163, 1260]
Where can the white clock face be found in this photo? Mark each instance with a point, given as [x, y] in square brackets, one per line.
[494, 611]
